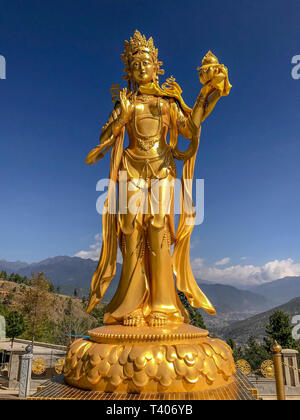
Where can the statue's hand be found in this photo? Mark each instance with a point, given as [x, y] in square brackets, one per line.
[206, 90]
[126, 106]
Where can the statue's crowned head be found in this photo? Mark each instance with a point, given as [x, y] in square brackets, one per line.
[141, 61]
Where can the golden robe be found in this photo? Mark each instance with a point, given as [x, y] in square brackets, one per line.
[135, 289]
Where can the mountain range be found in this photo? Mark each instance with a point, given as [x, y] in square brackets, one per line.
[255, 325]
[68, 273]
[71, 273]
[240, 312]
[280, 291]
[64, 270]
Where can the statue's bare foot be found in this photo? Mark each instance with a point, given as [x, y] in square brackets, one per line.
[135, 319]
[157, 319]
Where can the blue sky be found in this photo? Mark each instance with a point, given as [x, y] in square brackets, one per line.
[62, 58]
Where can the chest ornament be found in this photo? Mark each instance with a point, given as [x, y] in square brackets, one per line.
[146, 143]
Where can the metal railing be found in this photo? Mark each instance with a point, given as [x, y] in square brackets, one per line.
[284, 373]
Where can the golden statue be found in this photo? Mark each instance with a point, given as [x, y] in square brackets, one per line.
[147, 343]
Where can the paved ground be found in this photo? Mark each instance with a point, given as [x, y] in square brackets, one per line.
[288, 398]
[6, 394]
[10, 394]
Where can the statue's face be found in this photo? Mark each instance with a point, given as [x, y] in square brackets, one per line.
[143, 69]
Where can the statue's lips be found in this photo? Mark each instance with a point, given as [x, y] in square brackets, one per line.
[143, 77]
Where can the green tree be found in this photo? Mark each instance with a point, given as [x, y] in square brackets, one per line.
[255, 353]
[84, 302]
[51, 287]
[196, 318]
[3, 310]
[8, 298]
[68, 310]
[16, 278]
[11, 277]
[3, 275]
[237, 351]
[15, 325]
[98, 314]
[280, 329]
[46, 331]
[72, 326]
[36, 307]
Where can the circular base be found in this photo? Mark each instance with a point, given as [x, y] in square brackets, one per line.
[119, 333]
[149, 359]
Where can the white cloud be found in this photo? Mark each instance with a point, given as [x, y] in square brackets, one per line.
[247, 274]
[95, 249]
[198, 263]
[223, 261]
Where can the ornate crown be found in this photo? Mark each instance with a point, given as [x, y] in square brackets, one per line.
[209, 58]
[139, 43]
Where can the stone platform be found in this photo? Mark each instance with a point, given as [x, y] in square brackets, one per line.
[57, 389]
